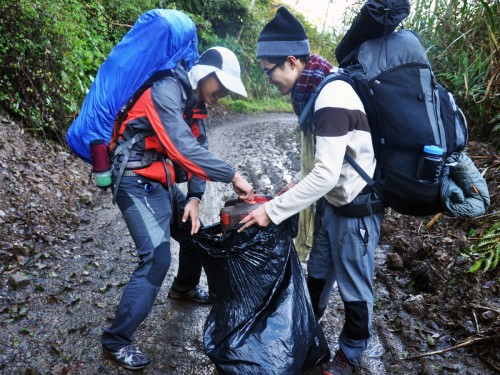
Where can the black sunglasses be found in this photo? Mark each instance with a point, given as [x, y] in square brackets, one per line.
[270, 71]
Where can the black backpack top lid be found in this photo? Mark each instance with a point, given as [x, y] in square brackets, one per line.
[377, 18]
[383, 54]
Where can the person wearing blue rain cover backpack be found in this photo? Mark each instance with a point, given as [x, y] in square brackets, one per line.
[163, 126]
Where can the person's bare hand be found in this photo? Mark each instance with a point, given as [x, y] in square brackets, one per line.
[192, 211]
[258, 216]
[243, 188]
[286, 188]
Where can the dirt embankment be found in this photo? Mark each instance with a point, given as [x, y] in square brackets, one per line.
[65, 256]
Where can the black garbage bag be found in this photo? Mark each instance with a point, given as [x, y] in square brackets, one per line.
[261, 321]
[377, 18]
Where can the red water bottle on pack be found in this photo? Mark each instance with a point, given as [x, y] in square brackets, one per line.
[100, 163]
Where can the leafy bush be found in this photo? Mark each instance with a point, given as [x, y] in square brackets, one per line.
[462, 37]
[486, 250]
[50, 48]
[50, 51]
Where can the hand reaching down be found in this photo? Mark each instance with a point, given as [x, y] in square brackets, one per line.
[258, 216]
[243, 188]
[192, 212]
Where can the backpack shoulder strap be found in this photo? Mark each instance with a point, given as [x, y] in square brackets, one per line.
[371, 183]
[305, 118]
[122, 115]
[305, 121]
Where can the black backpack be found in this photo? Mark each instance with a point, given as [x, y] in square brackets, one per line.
[407, 109]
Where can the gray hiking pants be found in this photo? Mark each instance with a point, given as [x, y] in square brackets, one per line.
[147, 210]
[343, 252]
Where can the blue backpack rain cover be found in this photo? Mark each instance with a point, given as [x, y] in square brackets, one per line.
[158, 40]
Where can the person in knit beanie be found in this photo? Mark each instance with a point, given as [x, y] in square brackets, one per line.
[284, 35]
[344, 239]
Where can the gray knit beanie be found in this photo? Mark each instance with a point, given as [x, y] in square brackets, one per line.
[284, 35]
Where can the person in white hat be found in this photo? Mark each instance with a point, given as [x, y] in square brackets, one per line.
[215, 74]
[165, 128]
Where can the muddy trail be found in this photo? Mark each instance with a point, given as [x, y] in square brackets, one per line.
[65, 257]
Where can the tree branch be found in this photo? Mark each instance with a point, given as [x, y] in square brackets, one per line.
[469, 342]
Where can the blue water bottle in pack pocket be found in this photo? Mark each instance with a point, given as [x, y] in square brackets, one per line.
[431, 164]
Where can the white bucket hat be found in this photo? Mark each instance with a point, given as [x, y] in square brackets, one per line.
[225, 65]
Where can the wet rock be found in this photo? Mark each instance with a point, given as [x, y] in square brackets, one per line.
[19, 280]
[415, 305]
[489, 284]
[470, 327]
[461, 259]
[395, 262]
[487, 316]
[87, 198]
[49, 238]
[6, 359]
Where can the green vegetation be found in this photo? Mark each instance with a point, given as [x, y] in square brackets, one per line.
[50, 51]
[257, 105]
[462, 37]
[487, 250]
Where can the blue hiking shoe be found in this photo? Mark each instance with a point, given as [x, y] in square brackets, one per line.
[128, 357]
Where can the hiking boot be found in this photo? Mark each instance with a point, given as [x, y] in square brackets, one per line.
[128, 357]
[339, 365]
[197, 295]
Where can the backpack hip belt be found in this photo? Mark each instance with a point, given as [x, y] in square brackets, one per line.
[137, 159]
[124, 149]
[366, 203]
[126, 173]
[130, 167]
